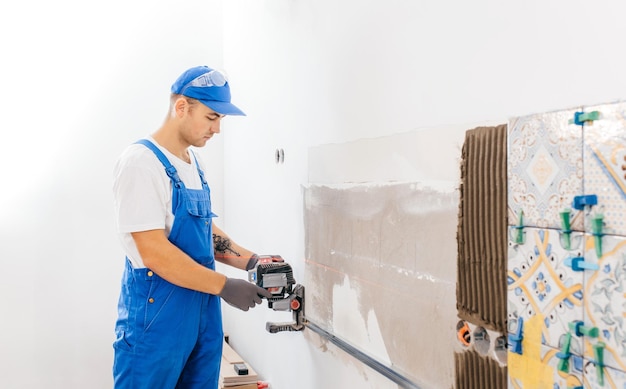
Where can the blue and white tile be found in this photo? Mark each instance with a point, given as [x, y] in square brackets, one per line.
[539, 282]
[605, 298]
[605, 166]
[545, 168]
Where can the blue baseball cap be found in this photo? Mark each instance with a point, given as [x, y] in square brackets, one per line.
[208, 86]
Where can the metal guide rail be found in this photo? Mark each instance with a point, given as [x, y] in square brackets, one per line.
[380, 367]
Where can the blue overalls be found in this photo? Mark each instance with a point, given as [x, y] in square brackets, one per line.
[168, 336]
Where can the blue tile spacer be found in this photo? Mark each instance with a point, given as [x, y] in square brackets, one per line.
[515, 346]
[579, 202]
[562, 355]
[579, 264]
[577, 120]
[515, 339]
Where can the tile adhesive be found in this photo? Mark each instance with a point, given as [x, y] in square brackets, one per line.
[482, 256]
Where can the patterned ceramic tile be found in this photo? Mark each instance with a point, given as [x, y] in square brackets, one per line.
[545, 168]
[541, 368]
[540, 284]
[605, 299]
[605, 378]
[605, 166]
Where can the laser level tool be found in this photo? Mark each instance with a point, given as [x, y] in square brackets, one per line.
[277, 278]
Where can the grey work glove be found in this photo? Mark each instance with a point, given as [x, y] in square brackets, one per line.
[242, 294]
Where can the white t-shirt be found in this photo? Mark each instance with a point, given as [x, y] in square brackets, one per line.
[142, 193]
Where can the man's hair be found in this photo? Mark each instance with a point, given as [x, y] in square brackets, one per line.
[191, 101]
[173, 97]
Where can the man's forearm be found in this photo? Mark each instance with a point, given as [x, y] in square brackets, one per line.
[229, 252]
[172, 264]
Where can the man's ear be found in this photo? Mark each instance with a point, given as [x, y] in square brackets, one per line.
[181, 106]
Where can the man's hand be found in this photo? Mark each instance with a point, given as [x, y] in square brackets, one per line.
[242, 294]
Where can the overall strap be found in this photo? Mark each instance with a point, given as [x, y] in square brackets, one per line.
[200, 172]
[170, 170]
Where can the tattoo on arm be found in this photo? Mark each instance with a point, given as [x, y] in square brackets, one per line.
[223, 245]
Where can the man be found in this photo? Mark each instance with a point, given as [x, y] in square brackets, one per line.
[169, 326]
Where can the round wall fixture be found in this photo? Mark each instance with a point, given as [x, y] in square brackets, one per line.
[279, 156]
[463, 333]
[481, 340]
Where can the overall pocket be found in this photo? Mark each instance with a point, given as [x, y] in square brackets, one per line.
[156, 300]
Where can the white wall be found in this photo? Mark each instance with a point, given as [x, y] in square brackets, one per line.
[80, 80]
[311, 73]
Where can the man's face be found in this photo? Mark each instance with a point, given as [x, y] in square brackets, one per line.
[200, 124]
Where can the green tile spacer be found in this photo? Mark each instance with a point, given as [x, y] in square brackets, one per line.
[579, 329]
[591, 332]
[519, 233]
[598, 353]
[564, 354]
[566, 227]
[597, 223]
[589, 116]
[563, 365]
[581, 117]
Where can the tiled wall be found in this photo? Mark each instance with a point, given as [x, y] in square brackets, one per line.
[567, 249]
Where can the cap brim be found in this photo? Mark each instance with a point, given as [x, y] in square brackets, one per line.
[223, 108]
